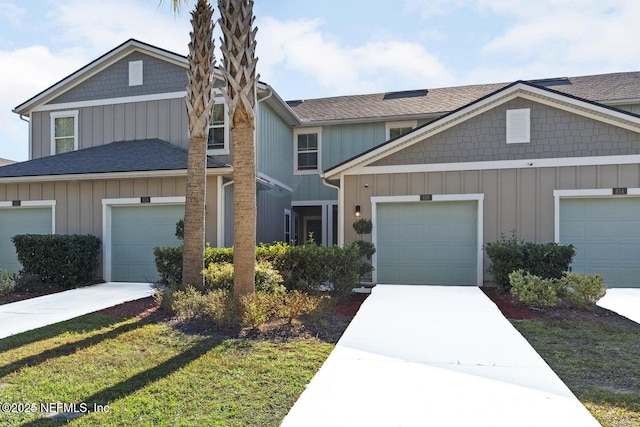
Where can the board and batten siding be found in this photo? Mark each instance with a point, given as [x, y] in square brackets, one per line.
[79, 203]
[519, 200]
[100, 125]
[274, 146]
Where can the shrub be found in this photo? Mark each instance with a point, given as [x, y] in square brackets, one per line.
[309, 268]
[547, 260]
[66, 260]
[169, 265]
[215, 306]
[296, 304]
[534, 291]
[584, 291]
[220, 276]
[7, 283]
[259, 307]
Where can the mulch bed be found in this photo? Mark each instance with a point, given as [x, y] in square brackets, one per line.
[514, 310]
[44, 289]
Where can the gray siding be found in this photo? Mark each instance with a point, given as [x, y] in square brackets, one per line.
[275, 145]
[165, 119]
[271, 206]
[554, 133]
[519, 200]
[158, 77]
[78, 207]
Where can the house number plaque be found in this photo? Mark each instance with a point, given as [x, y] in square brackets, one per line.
[426, 197]
[619, 191]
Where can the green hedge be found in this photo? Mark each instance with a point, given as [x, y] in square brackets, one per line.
[66, 260]
[308, 268]
[546, 260]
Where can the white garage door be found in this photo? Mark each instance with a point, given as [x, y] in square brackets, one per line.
[606, 234]
[20, 221]
[427, 243]
[135, 231]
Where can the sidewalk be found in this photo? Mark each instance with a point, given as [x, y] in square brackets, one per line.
[624, 301]
[37, 312]
[435, 356]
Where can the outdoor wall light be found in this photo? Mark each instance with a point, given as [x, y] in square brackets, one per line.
[357, 212]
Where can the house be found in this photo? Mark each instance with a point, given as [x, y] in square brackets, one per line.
[440, 172]
[4, 162]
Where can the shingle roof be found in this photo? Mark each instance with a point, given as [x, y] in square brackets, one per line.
[123, 156]
[602, 88]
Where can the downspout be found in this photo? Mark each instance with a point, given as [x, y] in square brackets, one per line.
[22, 117]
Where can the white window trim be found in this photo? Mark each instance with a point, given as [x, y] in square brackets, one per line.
[226, 150]
[107, 204]
[304, 131]
[392, 125]
[479, 197]
[525, 114]
[58, 114]
[136, 74]
[590, 193]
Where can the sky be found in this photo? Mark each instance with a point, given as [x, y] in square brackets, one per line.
[313, 49]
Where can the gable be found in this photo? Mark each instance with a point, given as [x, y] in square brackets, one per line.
[554, 133]
[159, 76]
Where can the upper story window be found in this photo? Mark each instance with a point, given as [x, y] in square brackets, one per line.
[218, 142]
[307, 150]
[64, 131]
[395, 129]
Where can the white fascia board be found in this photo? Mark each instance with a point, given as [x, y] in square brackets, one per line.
[497, 164]
[274, 181]
[112, 101]
[377, 119]
[110, 175]
[314, 202]
[519, 90]
[29, 204]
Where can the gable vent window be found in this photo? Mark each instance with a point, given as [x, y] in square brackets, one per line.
[135, 73]
[519, 126]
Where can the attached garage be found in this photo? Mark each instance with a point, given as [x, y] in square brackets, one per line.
[133, 232]
[432, 242]
[29, 218]
[606, 234]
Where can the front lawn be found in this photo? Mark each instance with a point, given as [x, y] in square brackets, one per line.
[598, 357]
[149, 372]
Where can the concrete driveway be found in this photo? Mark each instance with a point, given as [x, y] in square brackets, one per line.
[435, 356]
[46, 310]
[624, 301]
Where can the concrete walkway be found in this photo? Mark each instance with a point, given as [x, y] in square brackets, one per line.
[37, 312]
[435, 356]
[624, 301]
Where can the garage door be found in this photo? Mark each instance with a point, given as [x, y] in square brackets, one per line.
[20, 221]
[606, 234]
[432, 243]
[135, 231]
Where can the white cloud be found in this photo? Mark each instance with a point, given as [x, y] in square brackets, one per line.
[12, 14]
[302, 48]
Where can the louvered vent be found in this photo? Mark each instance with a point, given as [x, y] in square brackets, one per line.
[518, 126]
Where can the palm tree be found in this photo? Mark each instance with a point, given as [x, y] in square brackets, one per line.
[238, 50]
[199, 100]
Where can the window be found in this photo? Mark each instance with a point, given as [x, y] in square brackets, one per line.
[135, 73]
[218, 131]
[518, 126]
[64, 132]
[396, 129]
[307, 151]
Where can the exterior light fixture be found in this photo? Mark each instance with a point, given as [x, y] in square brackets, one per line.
[357, 212]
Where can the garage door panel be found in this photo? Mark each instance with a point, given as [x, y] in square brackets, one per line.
[135, 231]
[14, 221]
[427, 243]
[606, 234]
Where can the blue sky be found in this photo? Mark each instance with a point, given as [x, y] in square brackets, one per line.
[310, 49]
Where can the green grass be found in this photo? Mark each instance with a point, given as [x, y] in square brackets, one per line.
[150, 374]
[599, 362]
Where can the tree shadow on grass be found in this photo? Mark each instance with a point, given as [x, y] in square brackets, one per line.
[82, 324]
[138, 381]
[68, 348]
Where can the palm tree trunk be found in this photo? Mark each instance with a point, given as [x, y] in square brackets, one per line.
[238, 50]
[199, 103]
